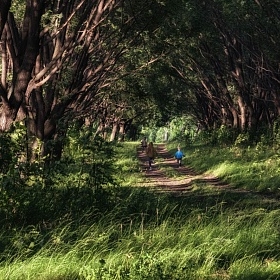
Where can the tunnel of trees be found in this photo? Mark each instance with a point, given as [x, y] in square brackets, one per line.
[117, 65]
[82, 81]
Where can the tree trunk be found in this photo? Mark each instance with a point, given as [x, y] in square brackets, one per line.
[235, 123]
[6, 117]
[4, 9]
[121, 131]
[114, 131]
[243, 111]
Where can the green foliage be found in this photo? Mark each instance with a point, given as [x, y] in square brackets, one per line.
[87, 161]
[127, 164]
[242, 140]
[185, 238]
[51, 20]
[6, 152]
[18, 9]
[276, 133]
[130, 233]
[231, 136]
[180, 129]
[72, 229]
[220, 136]
[236, 158]
[150, 133]
[75, 182]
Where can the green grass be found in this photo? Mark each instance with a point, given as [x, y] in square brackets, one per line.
[206, 234]
[202, 245]
[252, 168]
[127, 164]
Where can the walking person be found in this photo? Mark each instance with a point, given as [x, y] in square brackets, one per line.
[151, 153]
[179, 156]
[144, 144]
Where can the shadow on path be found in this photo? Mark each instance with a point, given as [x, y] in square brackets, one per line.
[167, 177]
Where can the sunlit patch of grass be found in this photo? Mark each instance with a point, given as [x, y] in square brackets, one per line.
[247, 168]
[175, 244]
[127, 163]
[144, 235]
[249, 175]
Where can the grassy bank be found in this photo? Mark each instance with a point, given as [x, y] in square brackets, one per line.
[253, 168]
[143, 235]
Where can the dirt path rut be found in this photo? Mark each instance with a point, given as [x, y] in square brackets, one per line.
[166, 176]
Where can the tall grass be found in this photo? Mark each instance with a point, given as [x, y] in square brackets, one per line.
[254, 168]
[145, 235]
[180, 246]
[127, 164]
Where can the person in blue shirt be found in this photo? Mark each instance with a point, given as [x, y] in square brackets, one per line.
[178, 156]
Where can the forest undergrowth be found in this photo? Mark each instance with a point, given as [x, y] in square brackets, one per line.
[121, 231]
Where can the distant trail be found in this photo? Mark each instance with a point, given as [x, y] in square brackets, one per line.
[177, 185]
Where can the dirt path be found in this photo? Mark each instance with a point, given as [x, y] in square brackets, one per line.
[166, 176]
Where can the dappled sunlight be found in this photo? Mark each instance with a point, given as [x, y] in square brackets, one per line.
[167, 177]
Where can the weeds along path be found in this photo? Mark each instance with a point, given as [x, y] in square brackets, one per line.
[167, 177]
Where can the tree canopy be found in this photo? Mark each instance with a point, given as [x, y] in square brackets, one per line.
[123, 63]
